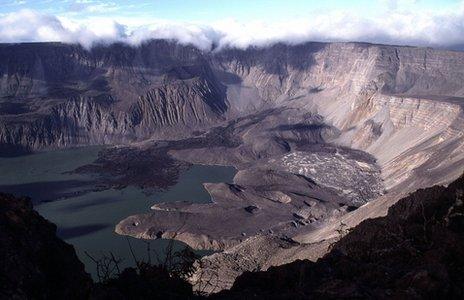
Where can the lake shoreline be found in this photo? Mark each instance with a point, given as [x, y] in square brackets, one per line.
[86, 215]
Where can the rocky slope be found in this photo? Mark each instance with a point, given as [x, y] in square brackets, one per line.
[414, 252]
[56, 95]
[321, 133]
[34, 262]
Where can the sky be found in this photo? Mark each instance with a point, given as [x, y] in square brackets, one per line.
[238, 23]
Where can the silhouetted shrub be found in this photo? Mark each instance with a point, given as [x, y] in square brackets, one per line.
[166, 278]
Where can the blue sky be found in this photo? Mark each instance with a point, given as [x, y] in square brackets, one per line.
[234, 22]
[211, 10]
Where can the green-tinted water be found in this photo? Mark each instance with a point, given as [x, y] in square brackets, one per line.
[87, 220]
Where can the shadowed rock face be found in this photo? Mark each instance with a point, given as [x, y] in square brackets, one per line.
[34, 263]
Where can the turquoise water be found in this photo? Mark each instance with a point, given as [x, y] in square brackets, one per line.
[87, 220]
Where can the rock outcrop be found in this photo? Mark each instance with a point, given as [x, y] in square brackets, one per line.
[34, 262]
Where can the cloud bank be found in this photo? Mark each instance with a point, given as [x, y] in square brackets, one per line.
[422, 28]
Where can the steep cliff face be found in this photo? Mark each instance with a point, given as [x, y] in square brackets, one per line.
[34, 262]
[400, 104]
[55, 95]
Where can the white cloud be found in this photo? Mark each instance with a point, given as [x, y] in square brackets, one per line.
[27, 25]
[431, 28]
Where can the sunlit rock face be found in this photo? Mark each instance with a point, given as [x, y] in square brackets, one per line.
[400, 104]
[320, 133]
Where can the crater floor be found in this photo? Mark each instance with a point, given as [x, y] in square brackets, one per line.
[323, 135]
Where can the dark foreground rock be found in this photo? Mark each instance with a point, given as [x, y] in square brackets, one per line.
[415, 252]
[34, 263]
[146, 282]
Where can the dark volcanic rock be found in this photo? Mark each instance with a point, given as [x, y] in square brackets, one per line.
[34, 263]
[251, 209]
[416, 251]
[148, 168]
